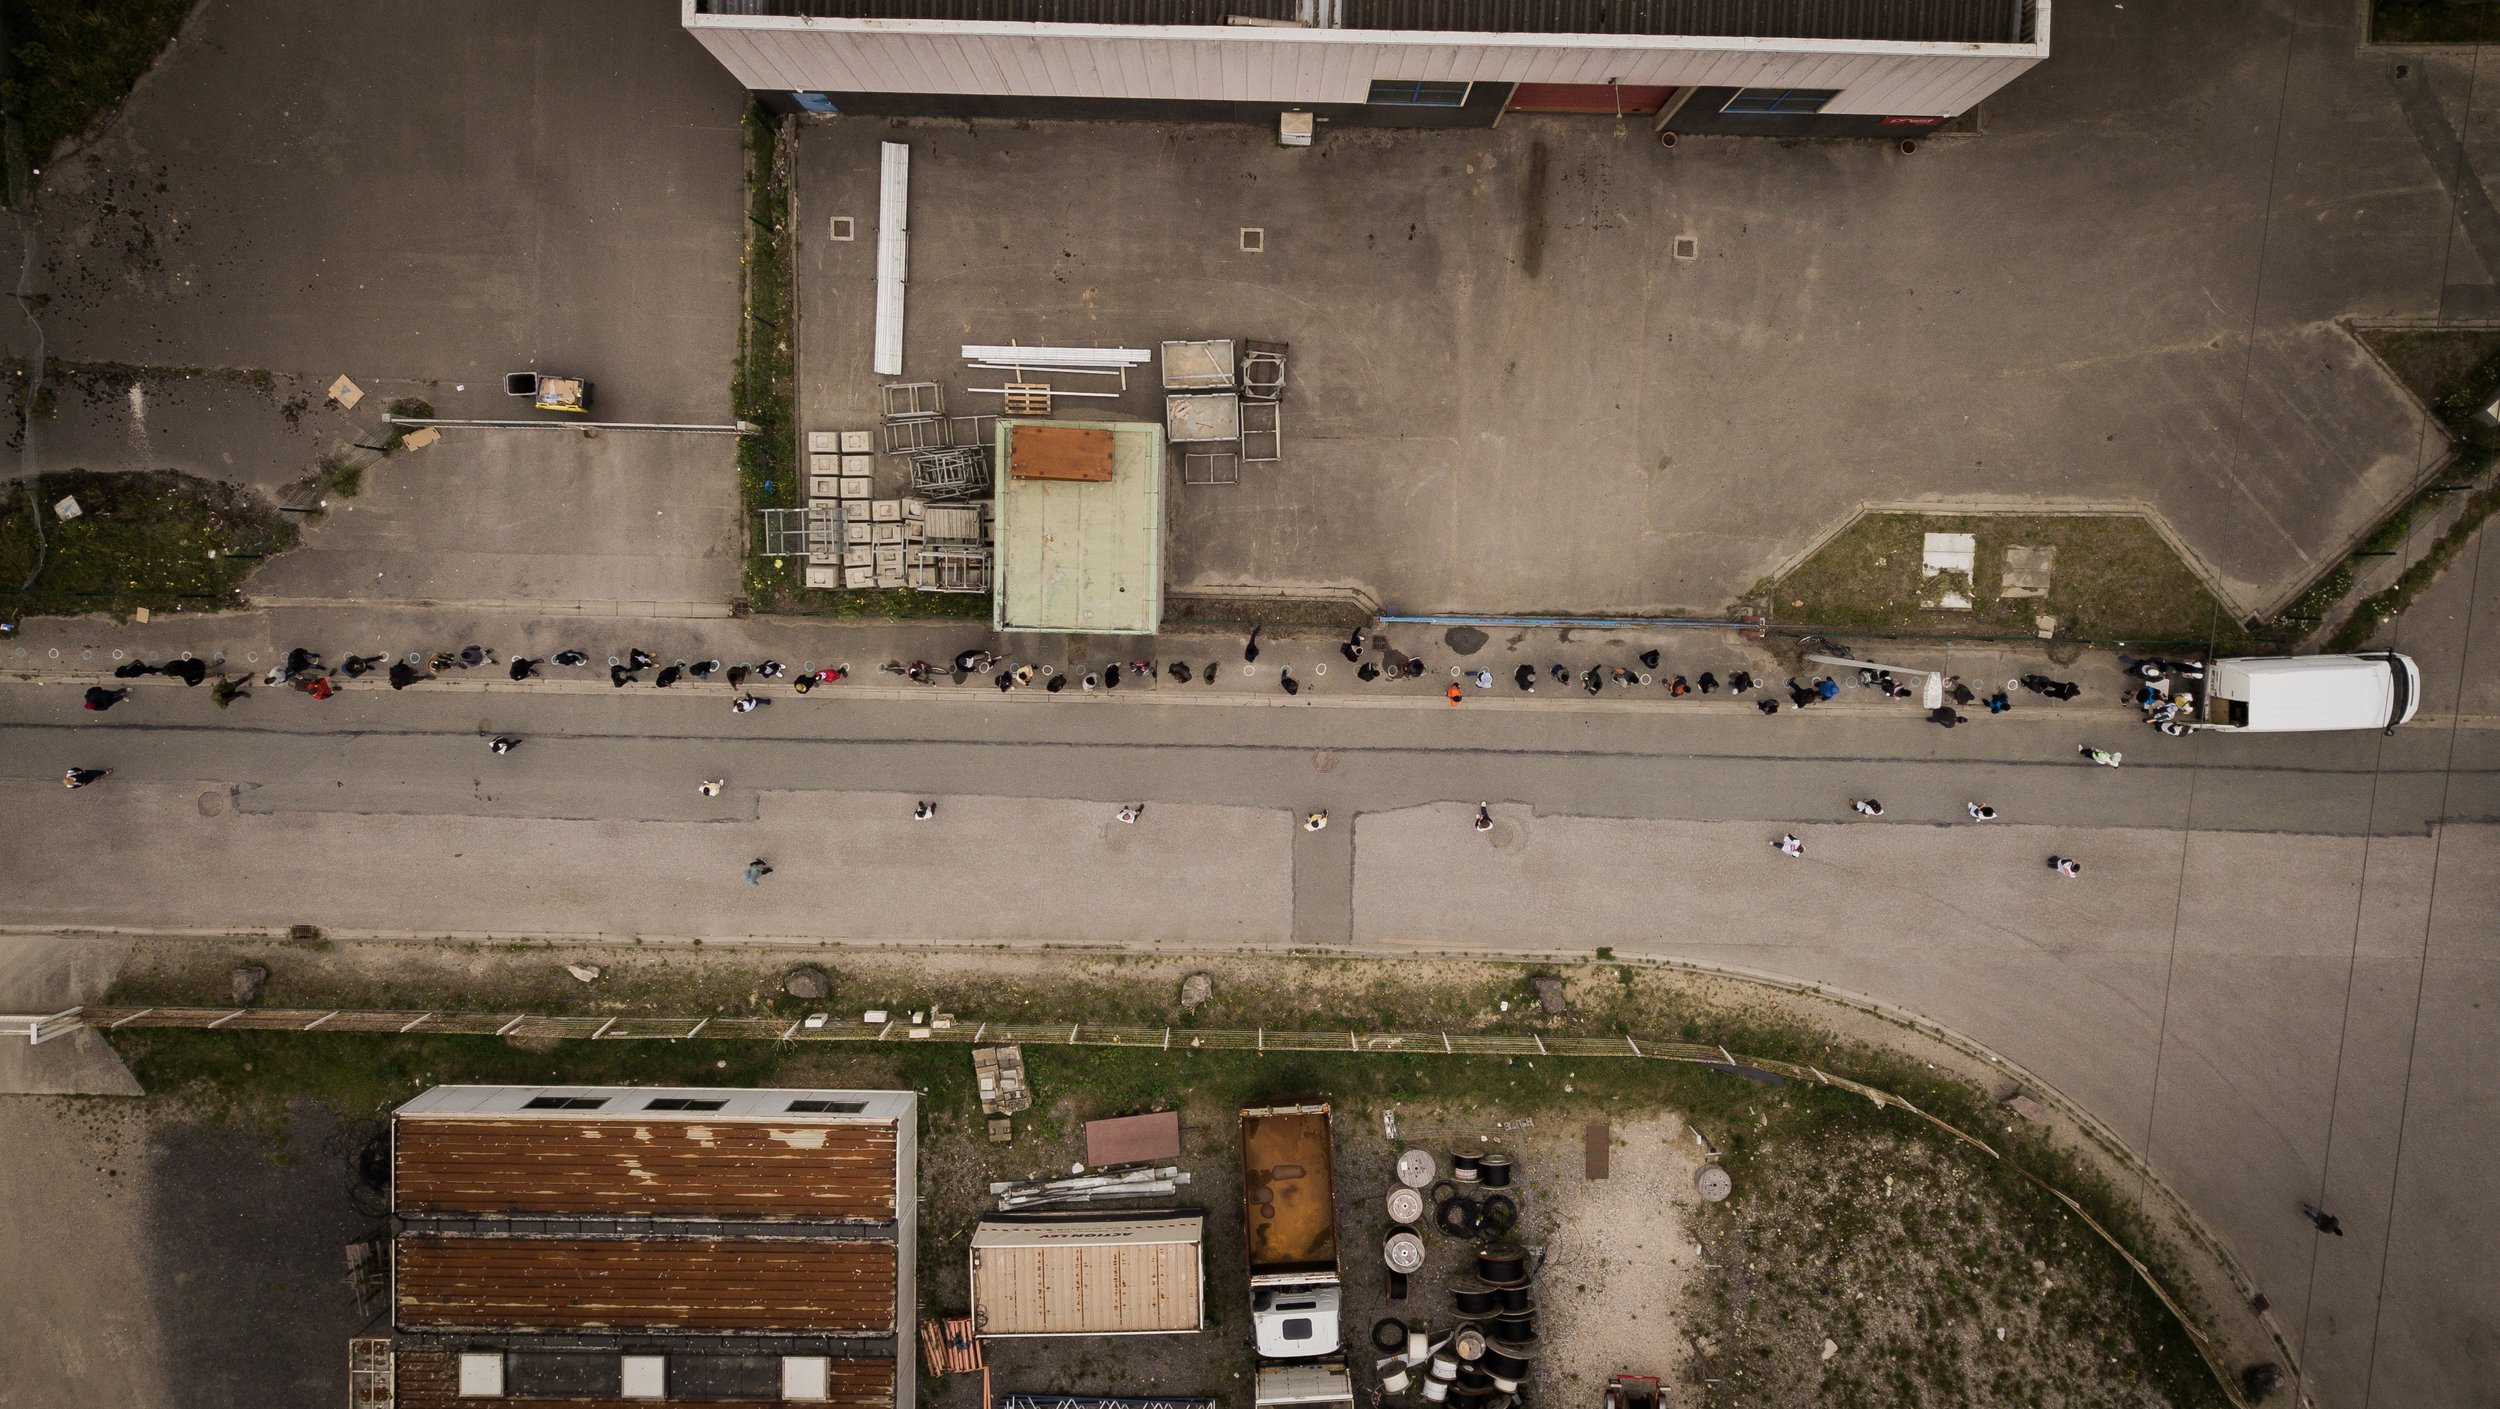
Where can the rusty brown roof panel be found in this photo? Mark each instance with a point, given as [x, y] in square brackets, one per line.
[711, 1284]
[791, 1169]
[430, 1379]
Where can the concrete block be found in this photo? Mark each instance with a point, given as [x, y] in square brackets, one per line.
[823, 575]
[887, 511]
[859, 558]
[856, 531]
[859, 577]
[857, 487]
[859, 442]
[859, 464]
[887, 533]
[823, 442]
[824, 464]
[824, 486]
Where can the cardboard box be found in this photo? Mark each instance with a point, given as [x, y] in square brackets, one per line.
[857, 487]
[859, 442]
[823, 442]
[887, 511]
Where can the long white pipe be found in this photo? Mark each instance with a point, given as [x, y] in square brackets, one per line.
[893, 257]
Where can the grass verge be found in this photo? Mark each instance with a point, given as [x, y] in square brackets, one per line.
[71, 61]
[2115, 579]
[2433, 22]
[161, 540]
[2454, 372]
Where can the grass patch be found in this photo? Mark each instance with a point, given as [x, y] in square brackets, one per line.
[2375, 610]
[72, 61]
[2115, 580]
[2433, 22]
[161, 540]
[413, 406]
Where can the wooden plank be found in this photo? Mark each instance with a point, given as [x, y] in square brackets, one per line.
[1059, 452]
[1597, 1150]
[1133, 1139]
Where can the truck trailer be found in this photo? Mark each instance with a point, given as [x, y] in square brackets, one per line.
[1289, 1226]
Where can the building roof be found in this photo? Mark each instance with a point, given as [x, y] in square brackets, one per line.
[1081, 556]
[1101, 1275]
[1951, 21]
[797, 1167]
[429, 1378]
[691, 1283]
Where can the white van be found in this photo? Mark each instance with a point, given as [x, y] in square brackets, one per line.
[2272, 695]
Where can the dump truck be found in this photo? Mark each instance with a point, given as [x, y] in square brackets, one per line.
[1289, 1224]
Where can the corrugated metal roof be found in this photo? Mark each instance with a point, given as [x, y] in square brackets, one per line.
[1950, 21]
[713, 1284]
[537, 1164]
[1106, 1276]
[430, 1379]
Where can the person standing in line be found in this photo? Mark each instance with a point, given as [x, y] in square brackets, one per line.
[81, 777]
[1006, 681]
[502, 744]
[1210, 672]
[1057, 683]
[1454, 694]
[1484, 817]
[1089, 682]
[2066, 866]
[1825, 688]
[757, 870]
[1866, 807]
[1678, 689]
[1132, 812]
[2107, 758]
[100, 699]
[669, 675]
[1708, 682]
[1525, 678]
[1250, 651]
[738, 674]
[358, 667]
[1294, 687]
[1483, 679]
[569, 657]
[1367, 672]
[1179, 672]
[1649, 659]
[1791, 845]
[923, 811]
[522, 667]
[1315, 822]
[710, 787]
[1982, 812]
[636, 658]
[2322, 1220]
[1561, 675]
[1767, 706]
[1111, 676]
[702, 670]
[618, 676]
[1592, 682]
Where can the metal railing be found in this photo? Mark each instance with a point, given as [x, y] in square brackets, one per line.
[41, 1027]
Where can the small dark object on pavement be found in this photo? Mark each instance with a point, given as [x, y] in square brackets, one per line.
[1649, 659]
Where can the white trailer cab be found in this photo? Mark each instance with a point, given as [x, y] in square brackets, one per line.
[2269, 695]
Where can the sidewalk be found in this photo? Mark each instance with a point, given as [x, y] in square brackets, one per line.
[85, 650]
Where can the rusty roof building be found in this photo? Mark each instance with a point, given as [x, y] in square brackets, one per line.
[588, 1247]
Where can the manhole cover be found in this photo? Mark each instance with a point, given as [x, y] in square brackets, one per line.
[212, 804]
[1686, 247]
[1324, 761]
[1502, 835]
[1713, 1183]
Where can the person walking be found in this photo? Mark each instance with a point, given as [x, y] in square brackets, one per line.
[1866, 807]
[502, 744]
[1454, 694]
[1315, 822]
[1791, 845]
[1132, 812]
[1484, 817]
[1946, 716]
[100, 699]
[2322, 1220]
[192, 671]
[2066, 866]
[358, 667]
[301, 662]
[710, 787]
[81, 777]
[1982, 812]
[757, 870]
[923, 811]
[226, 692]
[2107, 758]
[745, 704]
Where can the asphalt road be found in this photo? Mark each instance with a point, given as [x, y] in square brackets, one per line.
[2274, 978]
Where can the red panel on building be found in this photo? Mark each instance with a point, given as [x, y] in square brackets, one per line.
[1587, 98]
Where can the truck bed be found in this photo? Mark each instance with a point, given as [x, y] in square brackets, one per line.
[1288, 1191]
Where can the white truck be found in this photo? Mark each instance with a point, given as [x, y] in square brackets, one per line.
[2283, 694]
[1289, 1225]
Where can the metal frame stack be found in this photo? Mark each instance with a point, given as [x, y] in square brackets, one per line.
[950, 474]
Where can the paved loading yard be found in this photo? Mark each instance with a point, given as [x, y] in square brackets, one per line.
[1509, 395]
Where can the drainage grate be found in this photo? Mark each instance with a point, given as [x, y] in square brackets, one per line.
[845, 228]
[1253, 240]
[1686, 247]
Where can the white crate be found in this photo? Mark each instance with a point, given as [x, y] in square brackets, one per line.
[859, 558]
[887, 511]
[915, 509]
[889, 559]
[823, 442]
[824, 464]
[824, 486]
[856, 531]
[823, 575]
[887, 533]
[859, 442]
[859, 577]
[857, 487]
[915, 530]
[859, 464]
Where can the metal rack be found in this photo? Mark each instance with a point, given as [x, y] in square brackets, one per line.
[1263, 370]
[912, 437]
[950, 474]
[1210, 467]
[959, 567]
[913, 401]
[1262, 432]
